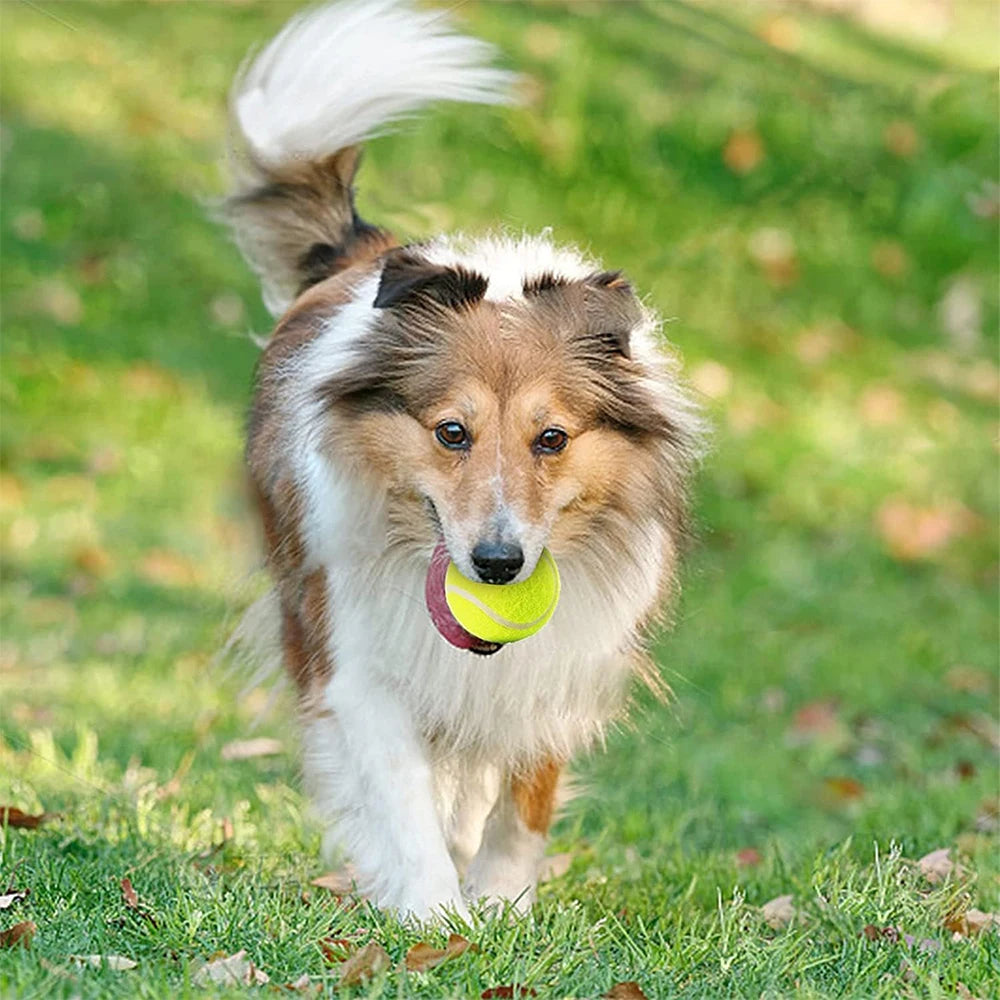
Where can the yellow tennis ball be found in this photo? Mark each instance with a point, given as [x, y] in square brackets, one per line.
[504, 612]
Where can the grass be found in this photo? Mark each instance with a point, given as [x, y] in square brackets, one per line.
[812, 203]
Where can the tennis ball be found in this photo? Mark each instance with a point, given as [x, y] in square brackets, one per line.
[504, 612]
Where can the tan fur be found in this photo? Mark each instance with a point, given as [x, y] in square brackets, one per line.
[534, 795]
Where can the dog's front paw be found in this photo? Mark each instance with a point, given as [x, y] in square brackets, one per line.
[493, 884]
[428, 901]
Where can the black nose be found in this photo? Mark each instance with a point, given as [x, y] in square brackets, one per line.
[497, 562]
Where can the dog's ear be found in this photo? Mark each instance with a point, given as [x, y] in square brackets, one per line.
[408, 278]
[611, 313]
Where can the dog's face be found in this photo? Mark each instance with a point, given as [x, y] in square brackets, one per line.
[505, 426]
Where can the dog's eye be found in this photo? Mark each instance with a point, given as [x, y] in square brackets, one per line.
[551, 440]
[452, 434]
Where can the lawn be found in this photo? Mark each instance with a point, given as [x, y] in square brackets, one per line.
[813, 204]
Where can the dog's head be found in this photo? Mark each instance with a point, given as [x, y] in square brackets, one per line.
[505, 425]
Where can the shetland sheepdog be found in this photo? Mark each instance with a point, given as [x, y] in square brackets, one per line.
[496, 395]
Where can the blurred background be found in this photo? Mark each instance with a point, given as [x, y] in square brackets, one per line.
[807, 191]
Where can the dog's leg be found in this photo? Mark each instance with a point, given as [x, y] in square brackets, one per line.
[368, 770]
[474, 798]
[506, 866]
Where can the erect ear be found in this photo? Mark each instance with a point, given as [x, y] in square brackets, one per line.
[610, 313]
[407, 277]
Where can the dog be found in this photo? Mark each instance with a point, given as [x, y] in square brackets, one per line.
[496, 395]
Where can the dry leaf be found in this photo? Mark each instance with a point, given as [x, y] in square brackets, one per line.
[964, 993]
[169, 569]
[842, 789]
[778, 912]
[131, 899]
[118, 963]
[816, 720]
[971, 923]
[12, 896]
[341, 883]
[232, 970]
[744, 151]
[748, 857]
[335, 950]
[937, 866]
[301, 985]
[263, 746]
[423, 956]
[364, 964]
[20, 934]
[629, 990]
[507, 992]
[9, 816]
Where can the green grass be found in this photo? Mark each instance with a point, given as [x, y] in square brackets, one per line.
[847, 552]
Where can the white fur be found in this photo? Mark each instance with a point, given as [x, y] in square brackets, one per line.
[409, 751]
[339, 74]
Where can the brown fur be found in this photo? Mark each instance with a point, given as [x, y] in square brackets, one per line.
[534, 795]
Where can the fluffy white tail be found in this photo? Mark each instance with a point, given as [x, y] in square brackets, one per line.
[333, 77]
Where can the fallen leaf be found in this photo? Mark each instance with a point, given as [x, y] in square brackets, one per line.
[971, 923]
[629, 990]
[911, 532]
[964, 993]
[507, 992]
[118, 963]
[341, 883]
[842, 789]
[231, 970]
[263, 746]
[423, 956]
[773, 250]
[12, 896]
[169, 569]
[20, 934]
[748, 857]
[9, 816]
[778, 912]
[131, 899]
[743, 152]
[364, 964]
[816, 720]
[335, 950]
[937, 865]
[301, 985]
[901, 138]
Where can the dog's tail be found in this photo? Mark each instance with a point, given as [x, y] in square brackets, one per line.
[335, 76]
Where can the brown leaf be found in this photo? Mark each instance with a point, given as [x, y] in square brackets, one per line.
[262, 746]
[842, 789]
[364, 964]
[129, 894]
[744, 151]
[20, 934]
[169, 569]
[341, 883]
[911, 532]
[971, 923]
[118, 963]
[748, 857]
[778, 912]
[131, 899]
[423, 956]
[336, 950]
[816, 720]
[9, 816]
[230, 970]
[303, 984]
[507, 992]
[12, 896]
[629, 990]
[937, 865]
